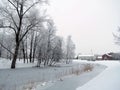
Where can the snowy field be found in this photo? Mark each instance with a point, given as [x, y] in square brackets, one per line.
[26, 76]
[6, 64]
[103, 76]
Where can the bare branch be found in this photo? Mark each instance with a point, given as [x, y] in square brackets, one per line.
[6, 48]
[12, 3]
[16, 7]
[9, 27]
[14, 21]
[10, 16]
[30, 7]
[29, 27]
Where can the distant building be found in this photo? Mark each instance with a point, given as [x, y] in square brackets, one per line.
[106, 57]
[98, 57]
[111, 56]
[115, 56]
[87, 57]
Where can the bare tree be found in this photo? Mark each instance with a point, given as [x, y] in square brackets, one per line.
[50, 35]
[15, 13]
[41, 47]
[31, 47]
[70, 50]
[57, 52]
[35, 46]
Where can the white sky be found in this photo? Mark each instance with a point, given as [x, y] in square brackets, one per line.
[90, 22]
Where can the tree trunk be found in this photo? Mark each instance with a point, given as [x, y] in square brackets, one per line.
[34, 49]
[30, 55]
[7, 55]
[23, 50]
[0, 52]
[26, 52]
[10, 56]
[15, 56]
[31, 48]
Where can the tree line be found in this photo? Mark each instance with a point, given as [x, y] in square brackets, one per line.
[28, 33]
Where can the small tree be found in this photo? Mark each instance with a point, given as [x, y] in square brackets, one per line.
[70, 50]
[57, 52]
[50, 33]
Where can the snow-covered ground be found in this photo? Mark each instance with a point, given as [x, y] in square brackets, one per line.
[107, 80]
[6, 64]
[104, 76]
[24, 78]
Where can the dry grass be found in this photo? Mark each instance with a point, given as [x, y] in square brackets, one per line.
[75, 70]
[88, 67]
[2, 87]
[29, 86]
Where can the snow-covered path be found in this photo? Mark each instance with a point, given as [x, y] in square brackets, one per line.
[107, 80]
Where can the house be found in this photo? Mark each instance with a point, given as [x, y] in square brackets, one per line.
[111, 56]
[106, 57]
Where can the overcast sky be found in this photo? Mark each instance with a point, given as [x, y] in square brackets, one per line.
[90, 22]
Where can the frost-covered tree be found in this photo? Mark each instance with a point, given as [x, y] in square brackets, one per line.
[70, 49]
[50, 35]
[13, 15]
[57, 52]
